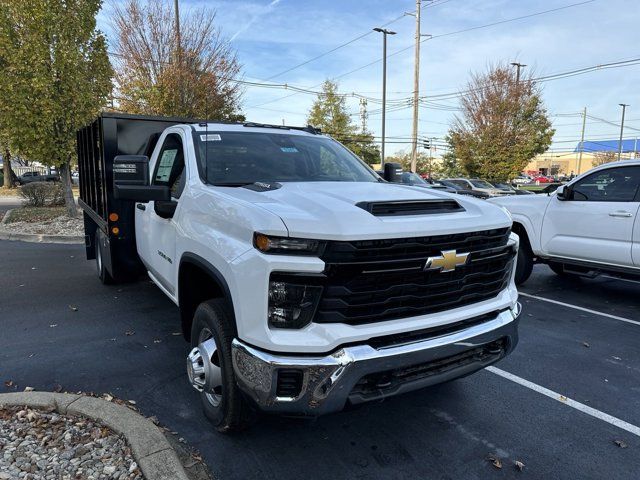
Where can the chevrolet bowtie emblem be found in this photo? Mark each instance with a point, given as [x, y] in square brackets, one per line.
[447, 262]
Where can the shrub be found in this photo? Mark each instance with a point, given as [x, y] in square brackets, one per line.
[40, 194]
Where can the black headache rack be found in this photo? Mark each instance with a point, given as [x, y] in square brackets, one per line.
[113, 220]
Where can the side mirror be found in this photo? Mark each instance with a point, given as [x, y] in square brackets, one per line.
[131, 180]
[393, 172]
[166, 209]
[563, 192]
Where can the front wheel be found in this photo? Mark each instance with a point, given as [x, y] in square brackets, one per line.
[524, 267]
[210, 367]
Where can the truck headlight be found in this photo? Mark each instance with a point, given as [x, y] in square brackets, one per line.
[286, 245]
[292, 305]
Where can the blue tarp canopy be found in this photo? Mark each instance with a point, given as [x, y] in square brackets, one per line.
[628, 146]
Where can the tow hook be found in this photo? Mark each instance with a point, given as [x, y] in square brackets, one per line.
[203, 374]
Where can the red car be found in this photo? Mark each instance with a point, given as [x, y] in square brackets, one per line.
[542, 179]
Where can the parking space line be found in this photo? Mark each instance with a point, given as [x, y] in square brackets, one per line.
[567, 401]
[588, 310]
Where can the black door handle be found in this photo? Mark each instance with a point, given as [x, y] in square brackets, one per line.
[140, 206]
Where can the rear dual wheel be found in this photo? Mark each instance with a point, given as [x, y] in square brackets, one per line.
[103, 274]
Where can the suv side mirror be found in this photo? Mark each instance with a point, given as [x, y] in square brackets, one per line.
[131, 180]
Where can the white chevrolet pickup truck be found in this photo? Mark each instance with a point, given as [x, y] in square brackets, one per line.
[305, 282]
[587, 227]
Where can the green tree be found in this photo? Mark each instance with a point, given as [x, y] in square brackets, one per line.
[329, 113]
[55, 79]
[502, 126]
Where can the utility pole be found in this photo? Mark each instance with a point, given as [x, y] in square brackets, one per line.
[584, 124]
[416, 87]
[624, 108]
[384, 32]
[518, 67]
[178, 58]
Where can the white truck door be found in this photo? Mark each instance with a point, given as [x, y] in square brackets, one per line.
[168, 170]
[596, 222]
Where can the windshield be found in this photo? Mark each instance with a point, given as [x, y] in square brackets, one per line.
[480, 184]
[412, 178]
[240, 158]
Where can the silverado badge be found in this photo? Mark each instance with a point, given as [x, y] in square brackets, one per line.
[447, 262]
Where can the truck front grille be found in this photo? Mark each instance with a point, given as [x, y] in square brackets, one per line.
[378, 280]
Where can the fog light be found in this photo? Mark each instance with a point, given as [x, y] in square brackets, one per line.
[292, 305]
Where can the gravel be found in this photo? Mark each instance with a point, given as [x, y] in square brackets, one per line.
[62, 225]
[37, 444]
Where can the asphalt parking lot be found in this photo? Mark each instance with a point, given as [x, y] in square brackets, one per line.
[558, 404]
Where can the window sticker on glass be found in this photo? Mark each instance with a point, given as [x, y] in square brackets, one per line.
[210, 137]
[166, 163]
[289, 149]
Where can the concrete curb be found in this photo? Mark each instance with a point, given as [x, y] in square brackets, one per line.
[153, 453]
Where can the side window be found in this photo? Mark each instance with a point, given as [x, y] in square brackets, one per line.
[170, 170]
[611, 185]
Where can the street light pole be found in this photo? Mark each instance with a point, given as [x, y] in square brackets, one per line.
[624, 108]
[384, 32]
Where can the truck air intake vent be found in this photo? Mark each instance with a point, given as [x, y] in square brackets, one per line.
[415, 207]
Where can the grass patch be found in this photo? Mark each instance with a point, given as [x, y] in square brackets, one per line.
[532, 188]
[35, 214]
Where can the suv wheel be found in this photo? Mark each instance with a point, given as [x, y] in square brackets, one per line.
[210, 367]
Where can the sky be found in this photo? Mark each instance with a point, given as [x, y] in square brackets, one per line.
[273, 36]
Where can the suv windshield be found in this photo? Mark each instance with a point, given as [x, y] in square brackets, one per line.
[240, 158]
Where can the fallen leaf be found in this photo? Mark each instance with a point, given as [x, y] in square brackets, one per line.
[53, 325]
[495, 461]
[107, 397]
[33, 268]
[8, 383]
[616, 358]
[519, 465]
[563, 398]
[57, 388]
[157, 340]
[586, 344]
[73, 308]
[128, 333]
[132, 402]
[620, 443]
[28, 389]
[175, 334]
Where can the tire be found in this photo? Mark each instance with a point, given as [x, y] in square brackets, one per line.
[103, 274]
[524, 265]
[226, 408]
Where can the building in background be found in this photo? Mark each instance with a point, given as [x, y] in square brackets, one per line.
[594, 153]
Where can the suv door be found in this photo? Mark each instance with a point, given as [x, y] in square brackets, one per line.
[155, 220]
[595, 223]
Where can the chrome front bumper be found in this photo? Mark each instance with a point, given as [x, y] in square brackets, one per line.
[360, 373]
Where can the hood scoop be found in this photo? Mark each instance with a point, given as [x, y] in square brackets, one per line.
[410, 207]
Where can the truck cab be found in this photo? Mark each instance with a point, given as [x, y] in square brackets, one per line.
[305, 282]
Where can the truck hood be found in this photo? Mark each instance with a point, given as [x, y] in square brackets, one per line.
[327, 210]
